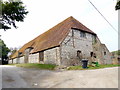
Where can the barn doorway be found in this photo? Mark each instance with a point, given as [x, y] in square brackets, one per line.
[41, 56]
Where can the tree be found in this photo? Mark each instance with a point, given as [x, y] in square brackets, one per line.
[12, 12]
[4, 50]
[12, 51]
[116, 52]
[117, 5]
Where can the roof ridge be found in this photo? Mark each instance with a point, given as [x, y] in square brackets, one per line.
[71, 17]
[55, 35]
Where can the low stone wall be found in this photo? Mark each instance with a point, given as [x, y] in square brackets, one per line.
[21, 59]
[52, 56]
[115, 61]
[106, 55]
[103, 55]
[33, 58]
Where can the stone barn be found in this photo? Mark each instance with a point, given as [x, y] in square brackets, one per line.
[65, 44]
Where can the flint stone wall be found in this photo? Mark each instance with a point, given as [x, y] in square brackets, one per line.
[52, 56]
[34, 58]
[72, 43]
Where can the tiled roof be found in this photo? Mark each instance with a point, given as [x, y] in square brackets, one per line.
[14, 55]
[55, 35]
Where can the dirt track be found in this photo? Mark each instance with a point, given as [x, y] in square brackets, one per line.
[14, 77]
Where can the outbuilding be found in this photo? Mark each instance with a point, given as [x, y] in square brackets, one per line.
[67, 43]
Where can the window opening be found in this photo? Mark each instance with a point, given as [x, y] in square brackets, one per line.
[91, 54]
[82, 34]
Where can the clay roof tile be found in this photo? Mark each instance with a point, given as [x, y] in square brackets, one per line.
[55, 35]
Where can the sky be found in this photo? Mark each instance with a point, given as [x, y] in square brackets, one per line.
[44, 14]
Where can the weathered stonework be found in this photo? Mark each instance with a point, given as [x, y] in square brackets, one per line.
[86, 45]
[103, 55]
[67, 53]
[26, 56]
[34, 58]
[115, 58]
[72, 43]
[65, 44]
[106, 55]
[52, 56]
[21, 59]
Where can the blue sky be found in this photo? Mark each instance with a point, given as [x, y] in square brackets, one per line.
[44, 14]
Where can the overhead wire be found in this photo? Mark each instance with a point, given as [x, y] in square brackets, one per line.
[103, 16]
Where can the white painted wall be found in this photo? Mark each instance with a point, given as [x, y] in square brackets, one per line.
[10, 61]
[14, 60]
[21, 59]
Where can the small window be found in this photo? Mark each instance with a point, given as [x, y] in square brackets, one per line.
[94, 40]
[78, 53]
[20, 53]
[82, 34]
[94, 55]
[104, 53]
[91, 54]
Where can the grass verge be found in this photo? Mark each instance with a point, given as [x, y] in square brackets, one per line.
[34, 65]
[91, 67]
[52, 67]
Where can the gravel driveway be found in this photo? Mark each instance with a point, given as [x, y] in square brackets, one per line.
[16, 77]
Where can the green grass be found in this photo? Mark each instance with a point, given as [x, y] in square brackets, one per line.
[52, 67]
[91, 67]
[34, 65]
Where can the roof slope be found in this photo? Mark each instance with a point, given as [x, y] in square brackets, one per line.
[55, 35]
[14, 55]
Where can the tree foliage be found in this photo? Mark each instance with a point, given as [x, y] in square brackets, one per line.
[116, 52]
[4, 50]
[12, 51]
[12, 12]
[117, 5]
